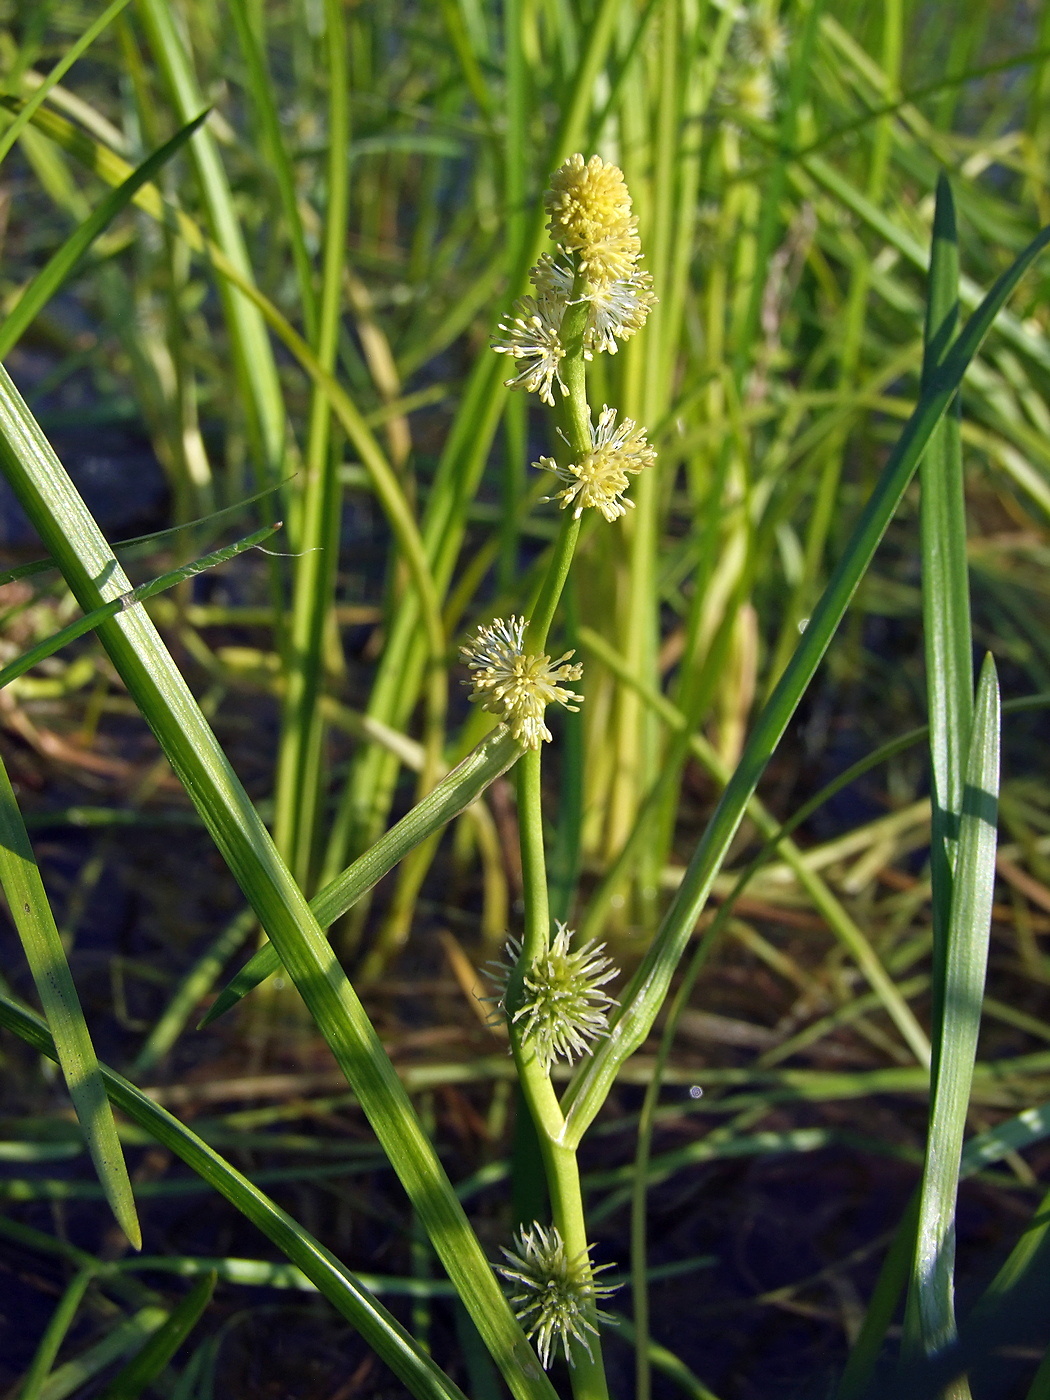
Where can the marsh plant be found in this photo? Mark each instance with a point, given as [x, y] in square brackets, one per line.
[574, 685]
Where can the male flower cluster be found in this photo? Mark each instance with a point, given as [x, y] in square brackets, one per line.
[600, 477]
[514, 684]
[597, 237]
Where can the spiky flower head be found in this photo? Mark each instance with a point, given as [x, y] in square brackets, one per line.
[556, 1293]
[563, 1008]
[532, 334]
[515, 685]
[601, 476]
[615, 308]
[590, 216]
[759, 38]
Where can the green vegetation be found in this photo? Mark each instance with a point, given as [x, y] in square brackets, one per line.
[784, 382]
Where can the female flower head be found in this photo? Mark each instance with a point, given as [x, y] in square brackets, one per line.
[601, 476]
[517, 686]
[563, 1008]
[555, 1293]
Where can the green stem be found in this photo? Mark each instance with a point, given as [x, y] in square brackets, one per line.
[559, 1161]
[536, 937]
[553, 583]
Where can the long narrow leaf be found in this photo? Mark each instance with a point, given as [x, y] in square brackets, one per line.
[253, 354]
[144, 1368]
[76, 629]
[646, 992]
[966, 957]
[46, 956]
[379, 1329]
[57, 73]
[945, 589]
[62, 263]
[71, 536]
[492, 757]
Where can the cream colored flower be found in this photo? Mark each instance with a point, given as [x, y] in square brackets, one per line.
[532, 334]
[590, 216]
[514, 685]
[601, 476]
[616, 308]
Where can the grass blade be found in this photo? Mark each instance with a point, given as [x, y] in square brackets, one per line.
[931, 1303]
[645, 994]
[384, 481]
[40, 938]
[76, 629]
[142, 1370]
[379, 1329]
[492, 757]
[57, 73]
[61, 265]
[253, 355]
[71, 536]
[945, 587]
[59, 1324]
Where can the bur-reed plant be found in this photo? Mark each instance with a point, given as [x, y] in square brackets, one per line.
[687, 97]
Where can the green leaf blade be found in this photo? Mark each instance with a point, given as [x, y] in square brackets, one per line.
[42, 944]
[62, 263]
[932, 1302]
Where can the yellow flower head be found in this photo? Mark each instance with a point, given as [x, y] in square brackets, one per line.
[514, 685]
[590, 215]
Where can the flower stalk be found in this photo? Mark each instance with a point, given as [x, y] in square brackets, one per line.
[590, 295]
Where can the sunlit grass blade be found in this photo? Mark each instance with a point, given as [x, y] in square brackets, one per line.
[299, 778]
[145, 1367]
[253, 354]
[58, 1325]
[931, 1322]
[32, 917]
[146, 667]
[384, 481]
[62, 263]
[261, 88]
[379, 1329]
[645, 994]
[492, 757]
[76, 629]
[945, 588]
[58, 72]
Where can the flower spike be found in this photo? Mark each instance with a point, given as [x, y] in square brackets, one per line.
[590, 216]
[515, 685]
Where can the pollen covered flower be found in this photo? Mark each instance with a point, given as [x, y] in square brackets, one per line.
[532, 334]
[615, 308]
[590, 216]
[601, 476]
[555, 1292]
[563, 1008]
[514, 685]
